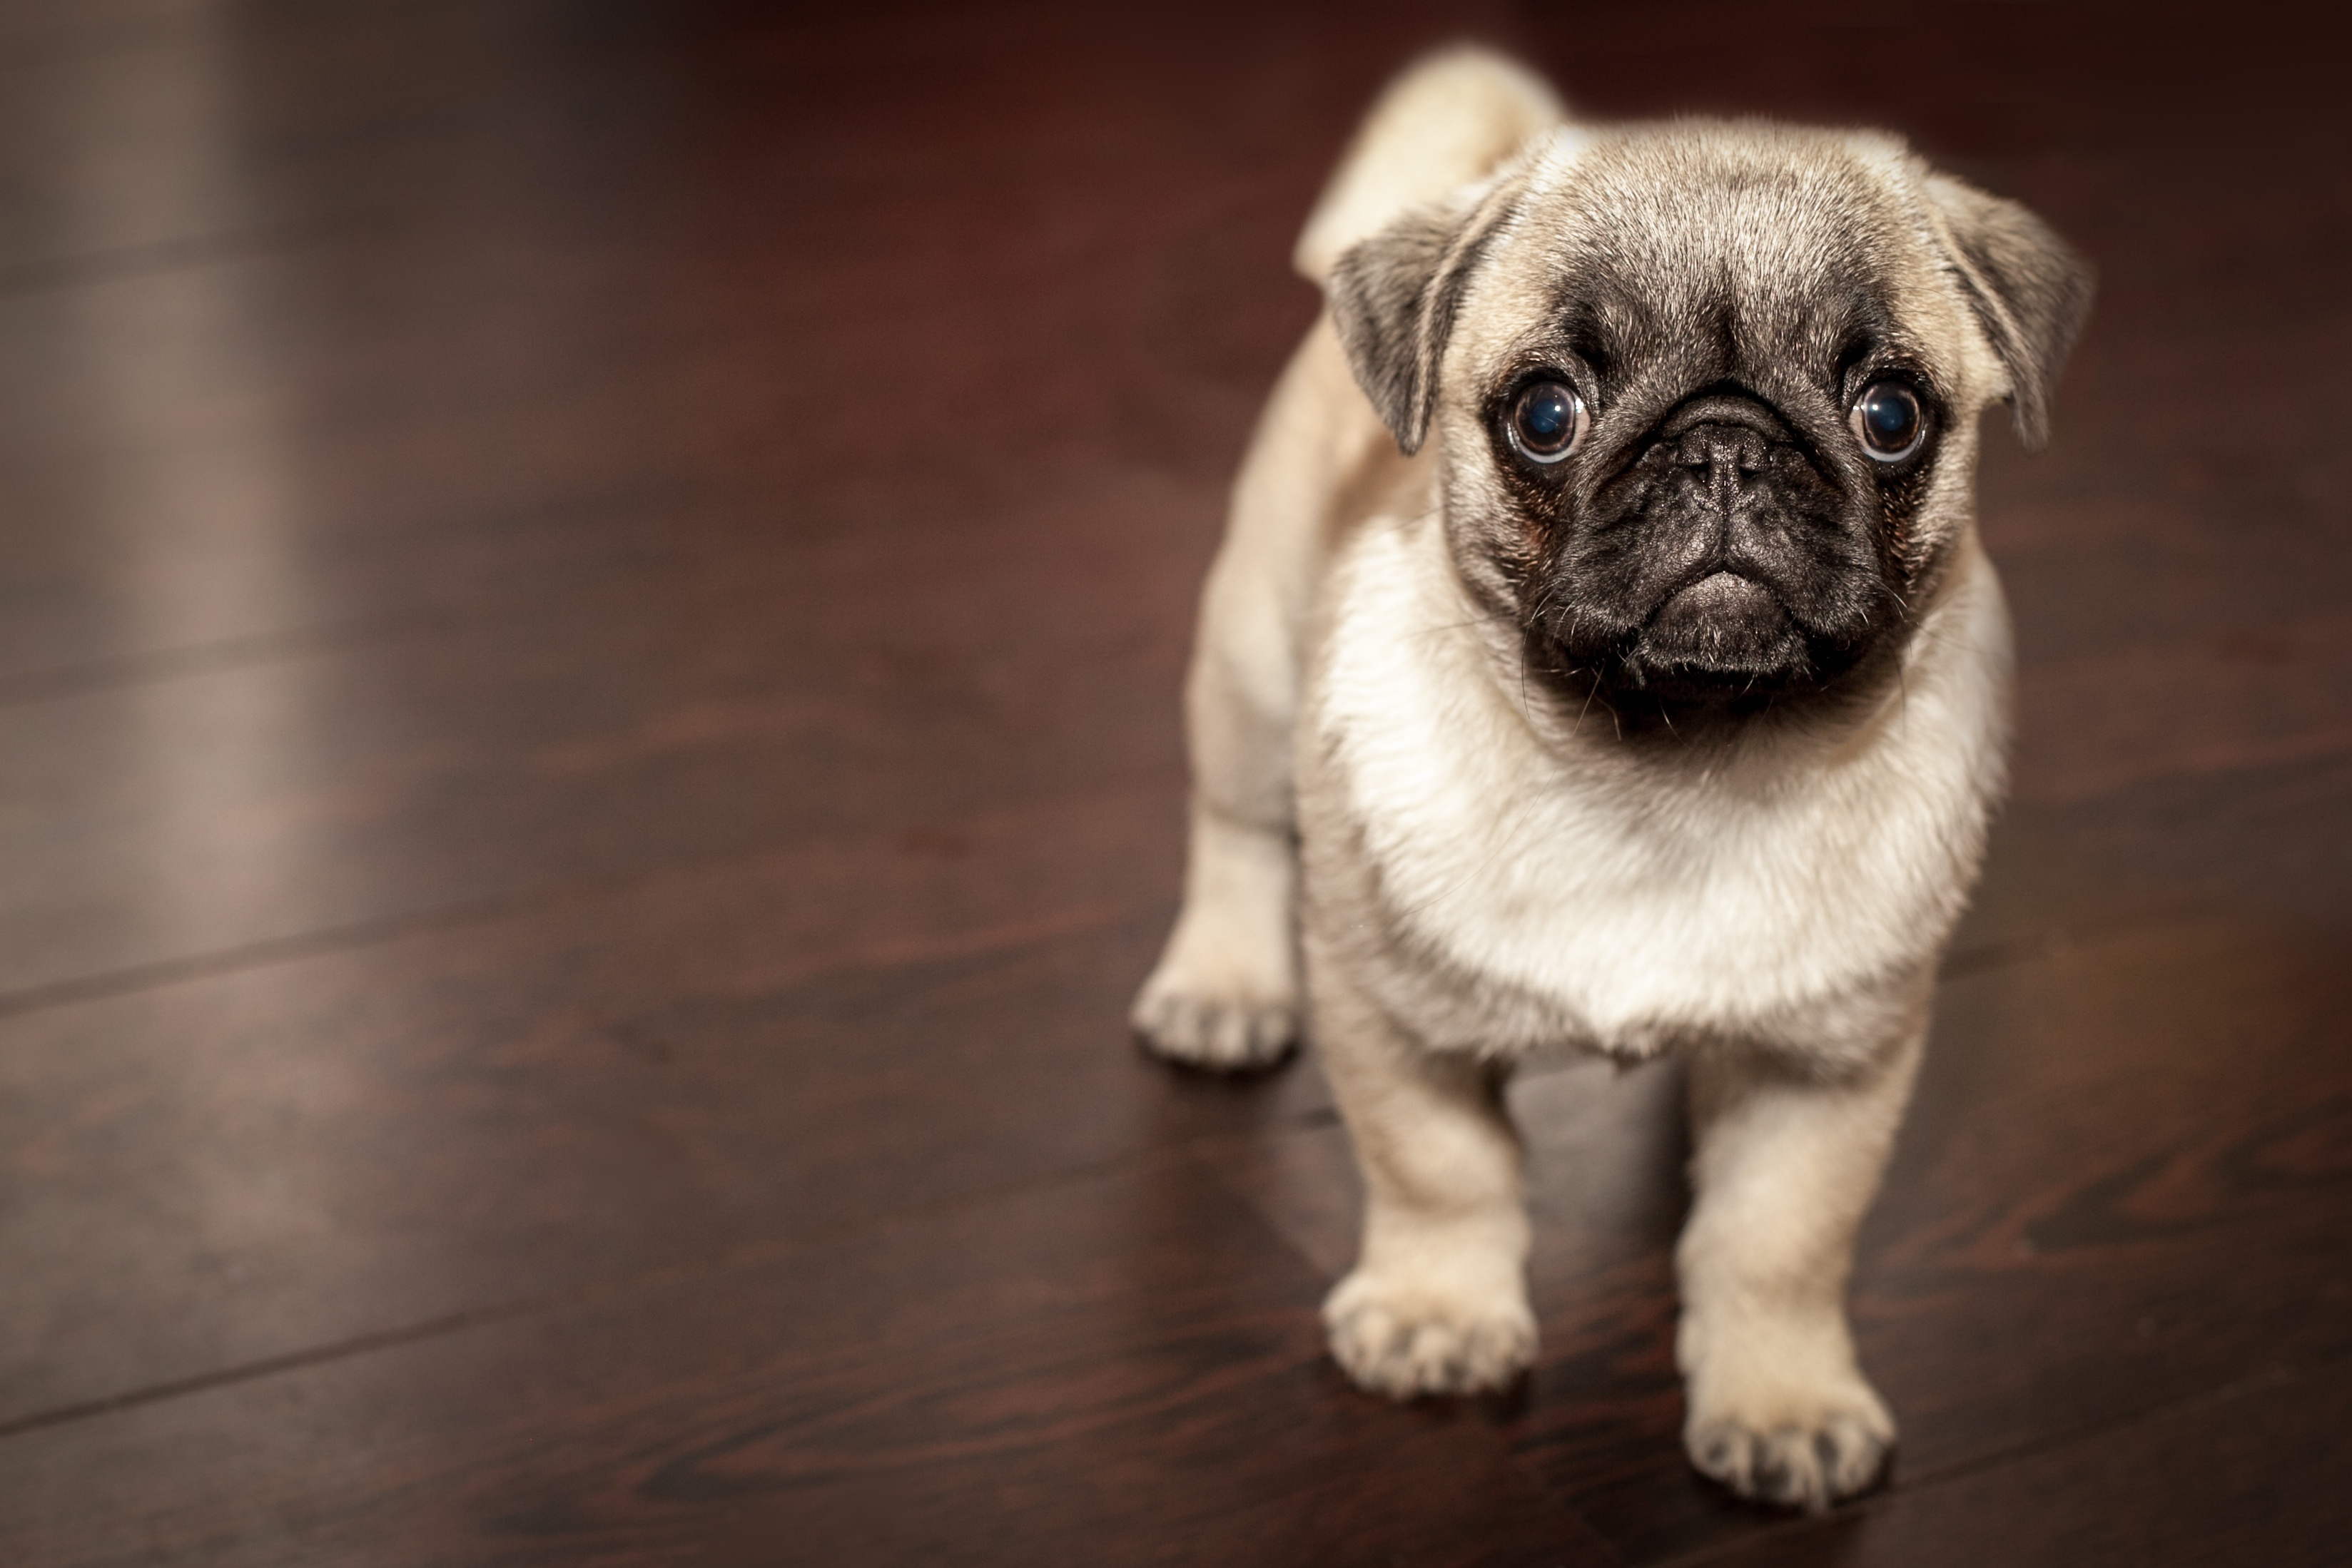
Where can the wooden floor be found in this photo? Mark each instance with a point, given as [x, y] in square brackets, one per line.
[589, 638]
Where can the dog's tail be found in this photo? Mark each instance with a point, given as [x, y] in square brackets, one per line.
[1447, 121]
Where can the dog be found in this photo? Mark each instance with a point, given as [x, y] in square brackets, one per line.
[1601, 656]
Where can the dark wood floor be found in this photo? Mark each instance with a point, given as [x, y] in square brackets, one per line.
[589, 636]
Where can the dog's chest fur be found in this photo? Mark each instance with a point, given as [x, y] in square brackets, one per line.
[1527, 890]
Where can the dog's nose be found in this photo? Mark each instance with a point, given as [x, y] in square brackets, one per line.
[1736, 448]
[1727, 453]
[1728, 433]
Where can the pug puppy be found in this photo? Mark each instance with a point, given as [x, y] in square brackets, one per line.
[1601, 657]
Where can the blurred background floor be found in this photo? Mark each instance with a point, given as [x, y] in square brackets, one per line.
[589, 638]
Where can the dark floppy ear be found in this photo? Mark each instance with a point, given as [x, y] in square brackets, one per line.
[1392, 300]
[2030, 292]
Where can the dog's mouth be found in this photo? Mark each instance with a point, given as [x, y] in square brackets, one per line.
[1723, 632]
[1724, 635]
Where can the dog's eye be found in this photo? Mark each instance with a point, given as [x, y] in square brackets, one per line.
[1547, 422]
[1887, 421]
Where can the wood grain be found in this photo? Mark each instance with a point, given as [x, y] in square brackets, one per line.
[1117, 1369]
[2251, 1473]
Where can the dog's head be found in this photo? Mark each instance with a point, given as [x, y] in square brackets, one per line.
[1706, 394]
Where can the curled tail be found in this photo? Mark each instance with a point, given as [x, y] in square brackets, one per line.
[1444, 122]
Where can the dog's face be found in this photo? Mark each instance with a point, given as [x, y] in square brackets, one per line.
[1705, 396]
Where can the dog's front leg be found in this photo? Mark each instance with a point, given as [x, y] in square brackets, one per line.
[1438, 1302]
[1785, 1166]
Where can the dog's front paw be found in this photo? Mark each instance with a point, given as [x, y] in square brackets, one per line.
[1796, 1450]
[1189, 1018]
[1406, 1338]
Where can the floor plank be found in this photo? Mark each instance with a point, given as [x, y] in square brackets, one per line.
[674, 709]
[235, 1167]
[2253, 1473]
[1109, 1371]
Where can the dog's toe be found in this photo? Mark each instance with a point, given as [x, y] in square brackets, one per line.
[1225, 1034]
[1406, 1342]
[1810, 1466]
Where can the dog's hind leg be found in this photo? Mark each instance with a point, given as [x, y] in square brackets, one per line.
[1226, 993]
